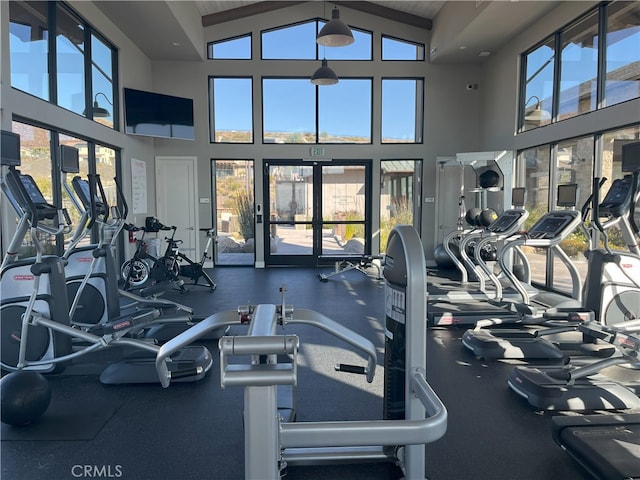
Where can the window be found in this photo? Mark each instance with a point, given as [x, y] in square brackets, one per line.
[397, 49]
[39, 149]
[534, 175]
[402, 110]
[29, 45]
[288, 111]
[579, 68]
[538, 86]
[343, 112]
[294, 42]
[623, 53]
[102, 81]
[231, 110]
[35, 153]
[298, 42]
[360, 49]
[554, 89]
[238, 48]
[70, 51]
[573, 164]
[74, 69]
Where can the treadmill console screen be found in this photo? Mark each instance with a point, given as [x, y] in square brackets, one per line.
[567, 195]
[43, 209]
[518, 196]
[83, 191]
[549, 227]
[631, 157]
[505, 222]
[32, 189]
[618, 197]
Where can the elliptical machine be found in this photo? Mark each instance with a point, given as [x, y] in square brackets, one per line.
[36, 331]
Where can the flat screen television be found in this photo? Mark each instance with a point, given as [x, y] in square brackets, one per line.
[631, 157]
[10, 149]
[567, 195]
[157, 115]
[518, 197]
[70, 159]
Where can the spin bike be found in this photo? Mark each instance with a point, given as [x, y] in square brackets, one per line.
[143, 266]
[137, 271]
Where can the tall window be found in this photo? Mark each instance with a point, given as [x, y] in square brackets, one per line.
[102, 67]
[29, 45]
[70, 51]
[231, 110]
[579, 68]
[74, 70]
[623, 53]
[538, 86]
[402, 110]
[534, 173]
[553, 89]
[574, 160]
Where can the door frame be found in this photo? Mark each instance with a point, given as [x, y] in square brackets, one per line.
[315, 258]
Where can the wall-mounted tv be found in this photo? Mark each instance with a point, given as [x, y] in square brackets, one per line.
[10, 148]
[158, 115]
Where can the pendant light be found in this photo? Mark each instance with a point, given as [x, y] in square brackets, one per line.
[536, 114]
[335, 33]
[324, 75]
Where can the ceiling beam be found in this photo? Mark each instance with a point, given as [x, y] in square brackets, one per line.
[246, 11]
[390, 13]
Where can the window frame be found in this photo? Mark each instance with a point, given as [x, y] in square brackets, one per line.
[602, 12]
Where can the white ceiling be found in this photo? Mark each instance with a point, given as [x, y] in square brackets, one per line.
[160, 29]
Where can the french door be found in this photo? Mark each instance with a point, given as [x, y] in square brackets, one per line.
[316, 211]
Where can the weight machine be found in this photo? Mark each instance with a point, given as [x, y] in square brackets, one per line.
[413, 414]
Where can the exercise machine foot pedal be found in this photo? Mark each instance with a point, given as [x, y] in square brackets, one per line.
[189, 364]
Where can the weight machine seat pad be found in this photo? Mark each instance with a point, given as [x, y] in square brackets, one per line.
[606, 445]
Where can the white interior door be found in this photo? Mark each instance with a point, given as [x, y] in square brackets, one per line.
[176, 194]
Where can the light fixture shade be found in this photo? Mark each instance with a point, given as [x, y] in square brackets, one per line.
[335, 33]
[324, 75]
[99, 112]
[536, 114]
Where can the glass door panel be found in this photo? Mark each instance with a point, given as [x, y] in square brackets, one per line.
[316, 210]
[233, 212]
[344, 213]
[400, 196]
[290, 213]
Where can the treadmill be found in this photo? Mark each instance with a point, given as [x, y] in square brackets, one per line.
[584, 388]
[532, 344]
[607, 446]
[548, 232]
[506, 225]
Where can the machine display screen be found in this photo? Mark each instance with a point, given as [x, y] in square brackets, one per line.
[631, 157]
[549, 227]
[567, 195]
[32, 189]
[517, 196]
[505, 222]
